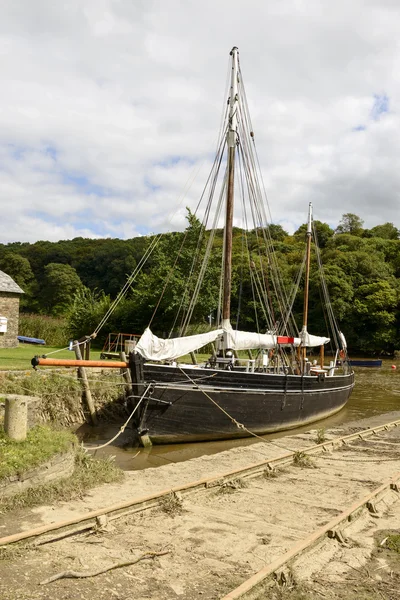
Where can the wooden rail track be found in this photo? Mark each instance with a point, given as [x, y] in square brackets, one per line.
[334, 529]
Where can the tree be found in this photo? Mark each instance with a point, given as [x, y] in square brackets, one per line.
[387, 231]
[350, 223]
[277, 232]
[19, 268]
[373, 318]
[59, 286]
[322, 230]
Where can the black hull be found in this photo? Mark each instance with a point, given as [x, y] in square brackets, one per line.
[178, 411]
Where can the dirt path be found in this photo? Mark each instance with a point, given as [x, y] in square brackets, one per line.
[214, 539]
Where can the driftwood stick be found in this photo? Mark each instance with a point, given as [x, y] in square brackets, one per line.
[80, 575]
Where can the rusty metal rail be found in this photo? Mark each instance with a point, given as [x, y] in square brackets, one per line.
[84, 522]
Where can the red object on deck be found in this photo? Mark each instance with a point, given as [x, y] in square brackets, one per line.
[283, 339]
[61, 362]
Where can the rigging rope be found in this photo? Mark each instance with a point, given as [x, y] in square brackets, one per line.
[328, 304]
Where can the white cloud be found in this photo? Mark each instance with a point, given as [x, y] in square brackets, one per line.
[108, 107]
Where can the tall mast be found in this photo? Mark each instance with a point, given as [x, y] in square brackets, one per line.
[231, 142]
[307, 281]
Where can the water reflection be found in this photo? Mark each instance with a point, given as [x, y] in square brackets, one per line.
[376, 391]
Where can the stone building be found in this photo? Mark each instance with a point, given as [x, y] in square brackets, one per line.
[10, 294]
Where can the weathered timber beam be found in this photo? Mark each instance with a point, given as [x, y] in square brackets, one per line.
[37, 361]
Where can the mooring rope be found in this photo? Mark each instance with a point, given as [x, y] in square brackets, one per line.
[123, 427]
[234, 421]
[66, 348]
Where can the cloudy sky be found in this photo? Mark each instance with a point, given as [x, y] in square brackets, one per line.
[109, 110]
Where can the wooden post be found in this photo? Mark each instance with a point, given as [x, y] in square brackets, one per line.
[85, 384]
[322, 355]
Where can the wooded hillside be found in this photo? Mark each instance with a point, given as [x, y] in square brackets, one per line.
[79, 278]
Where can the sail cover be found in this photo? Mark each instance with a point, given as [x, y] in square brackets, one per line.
[152, 347]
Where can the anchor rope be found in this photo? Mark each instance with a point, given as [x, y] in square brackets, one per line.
[123, 427]
[234, 421]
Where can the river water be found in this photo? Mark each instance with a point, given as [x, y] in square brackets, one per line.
[376, 391]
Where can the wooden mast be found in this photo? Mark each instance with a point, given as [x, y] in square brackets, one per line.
[306, 286]
[231, 142]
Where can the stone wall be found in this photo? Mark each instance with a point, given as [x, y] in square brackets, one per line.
[58, 467]
[9, 307]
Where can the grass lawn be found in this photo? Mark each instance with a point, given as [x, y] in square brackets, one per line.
[40, 445]
[19, 359]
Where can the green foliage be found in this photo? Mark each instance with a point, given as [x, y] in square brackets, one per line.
[18, 267]
[89, 472]
[19, 358]
[302, 460]
[52, 330]
[393, 542]
[59, 285]
[350, 223]
[61, 394]
[86, 311]
[80, 278]
[40, 445]
[323, 231]
[277, 232]
[373, 315]
[387, 231]
[176, 266]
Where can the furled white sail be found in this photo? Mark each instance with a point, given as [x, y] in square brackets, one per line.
[311, 341]
[244, 340]
[152, 347]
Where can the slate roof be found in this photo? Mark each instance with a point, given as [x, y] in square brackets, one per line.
[8, 285]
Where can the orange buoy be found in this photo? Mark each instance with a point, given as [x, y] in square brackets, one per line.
[393, 366]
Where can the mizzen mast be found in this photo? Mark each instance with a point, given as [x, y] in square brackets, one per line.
[231, 143]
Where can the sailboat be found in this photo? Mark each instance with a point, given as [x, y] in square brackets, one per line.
[276, 386]
[253, 382]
